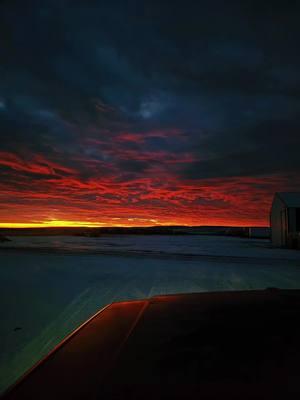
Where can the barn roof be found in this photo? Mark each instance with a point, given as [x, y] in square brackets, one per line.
[291, 199]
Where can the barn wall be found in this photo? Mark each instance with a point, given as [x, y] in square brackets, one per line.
[292, 220]
[275, 220]
[298, 219]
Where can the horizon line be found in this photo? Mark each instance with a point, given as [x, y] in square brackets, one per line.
[37, 226]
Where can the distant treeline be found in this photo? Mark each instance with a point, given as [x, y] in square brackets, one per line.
[152, 230]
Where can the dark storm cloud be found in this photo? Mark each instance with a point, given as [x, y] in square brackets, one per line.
[225, 73]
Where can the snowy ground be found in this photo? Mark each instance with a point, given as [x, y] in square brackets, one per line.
[48, 286]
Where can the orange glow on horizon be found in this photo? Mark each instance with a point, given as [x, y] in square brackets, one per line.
[49, 224]
[125, 224]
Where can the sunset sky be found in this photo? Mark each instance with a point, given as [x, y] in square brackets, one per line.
[147, 112]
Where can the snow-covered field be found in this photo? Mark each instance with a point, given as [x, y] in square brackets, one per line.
[49, 285]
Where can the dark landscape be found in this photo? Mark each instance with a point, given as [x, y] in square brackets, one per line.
[255, 232]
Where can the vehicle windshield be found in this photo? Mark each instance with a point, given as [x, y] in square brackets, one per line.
[146, 148]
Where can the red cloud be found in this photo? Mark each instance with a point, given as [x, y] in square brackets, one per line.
[97, 190]
[37, 164]
[130, 137]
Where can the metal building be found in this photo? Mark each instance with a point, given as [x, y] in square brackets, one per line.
[285, 220]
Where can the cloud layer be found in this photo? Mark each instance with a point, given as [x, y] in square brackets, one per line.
[140, 113]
